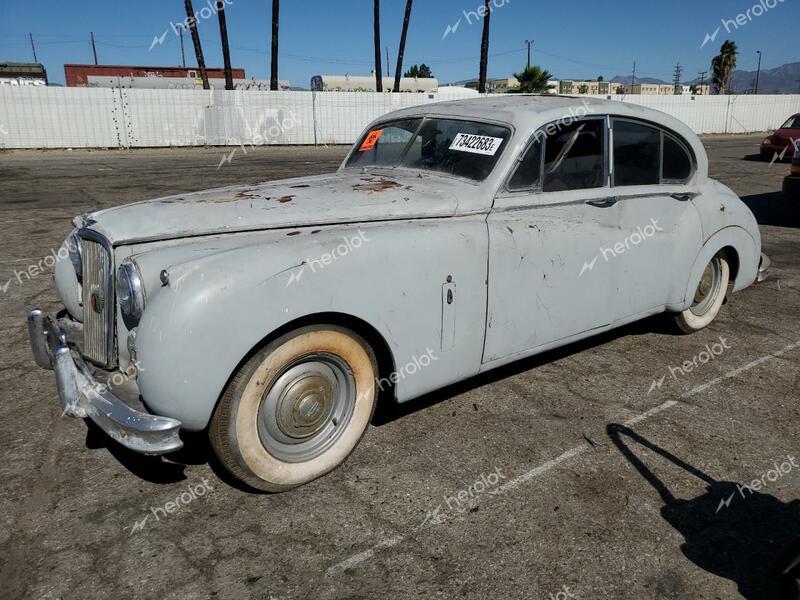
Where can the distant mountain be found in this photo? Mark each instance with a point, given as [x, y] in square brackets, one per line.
[626, 79]
[780, 80]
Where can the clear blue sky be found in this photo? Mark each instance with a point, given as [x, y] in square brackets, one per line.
[578, 39]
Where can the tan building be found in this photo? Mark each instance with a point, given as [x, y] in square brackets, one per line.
[595, 88]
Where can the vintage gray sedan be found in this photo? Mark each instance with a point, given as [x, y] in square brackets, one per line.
[456, 237]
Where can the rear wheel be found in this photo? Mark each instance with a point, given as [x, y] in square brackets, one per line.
[708, 297]
[296, 409]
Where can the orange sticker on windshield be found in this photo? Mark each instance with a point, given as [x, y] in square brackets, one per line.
[371, 140]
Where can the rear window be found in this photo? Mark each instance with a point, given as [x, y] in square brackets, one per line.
[468, 149]
[793, 123]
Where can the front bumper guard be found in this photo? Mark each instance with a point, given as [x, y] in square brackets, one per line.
[82, 396]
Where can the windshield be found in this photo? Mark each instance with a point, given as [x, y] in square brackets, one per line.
[461, 148]
[793, 123]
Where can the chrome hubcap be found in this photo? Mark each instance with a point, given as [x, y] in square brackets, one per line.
[307, 408]
[707, 289]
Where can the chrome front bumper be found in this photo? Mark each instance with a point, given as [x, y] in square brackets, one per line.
[82, 396]
[763, 267]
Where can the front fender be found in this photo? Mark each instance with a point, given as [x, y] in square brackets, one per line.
[747, 249]
[218, 307]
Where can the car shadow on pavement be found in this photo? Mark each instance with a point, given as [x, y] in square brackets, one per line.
[155, 469]
[388, 410]
[774, 208]
[746, 536]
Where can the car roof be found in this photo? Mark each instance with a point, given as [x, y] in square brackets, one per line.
[528, 112]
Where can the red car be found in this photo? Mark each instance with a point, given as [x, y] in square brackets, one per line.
[783, 142]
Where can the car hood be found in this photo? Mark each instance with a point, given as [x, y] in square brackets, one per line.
[343, 197]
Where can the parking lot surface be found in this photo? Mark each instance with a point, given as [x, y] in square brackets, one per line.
[607, 469]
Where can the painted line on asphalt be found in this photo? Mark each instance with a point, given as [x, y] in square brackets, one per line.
[545, 467]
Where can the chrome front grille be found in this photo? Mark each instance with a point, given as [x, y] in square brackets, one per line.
[98, 303]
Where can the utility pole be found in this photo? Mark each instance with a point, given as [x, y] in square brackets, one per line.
[484, 67]
[758, 72]
[183, 53]
[530, 43]
[276, 13]
[377, 36]
[401, 52]
[702, 80]
[226, 51]
[678, 87]
[36, 60]
[94, 48]
[388, 68]
[633, 76]
[198, 49]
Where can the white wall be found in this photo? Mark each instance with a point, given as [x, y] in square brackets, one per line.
[52, 117]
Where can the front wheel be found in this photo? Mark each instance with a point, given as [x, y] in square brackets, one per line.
[296, 409]
[708, 297]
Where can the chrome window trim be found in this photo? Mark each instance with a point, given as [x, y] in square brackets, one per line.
[111, 300]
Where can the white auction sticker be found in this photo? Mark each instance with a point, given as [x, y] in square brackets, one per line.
[476, 144]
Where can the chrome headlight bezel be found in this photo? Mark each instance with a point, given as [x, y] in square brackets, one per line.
[73, 244]
[130, 293]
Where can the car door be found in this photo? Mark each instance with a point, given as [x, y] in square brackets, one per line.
[546, 230]
[660, 230]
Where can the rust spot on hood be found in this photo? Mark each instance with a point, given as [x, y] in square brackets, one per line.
[376, 186]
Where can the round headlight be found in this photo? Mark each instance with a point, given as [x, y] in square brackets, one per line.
[130, 294]
[74, 248]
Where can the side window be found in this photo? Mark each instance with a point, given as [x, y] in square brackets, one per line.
[529, 172]
[637, 154]
[677, 162]
[575, 156]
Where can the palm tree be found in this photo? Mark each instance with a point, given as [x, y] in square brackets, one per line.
[533, 80]
[485, 48]
[378, 73]
[402, 50]
[276, 6]
[722, 67]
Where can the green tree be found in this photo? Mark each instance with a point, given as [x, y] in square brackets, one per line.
[533, 80]
[722, 67]
[422, 71]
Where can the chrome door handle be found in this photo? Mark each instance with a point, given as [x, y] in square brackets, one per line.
[603, 202]
[685, 197]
